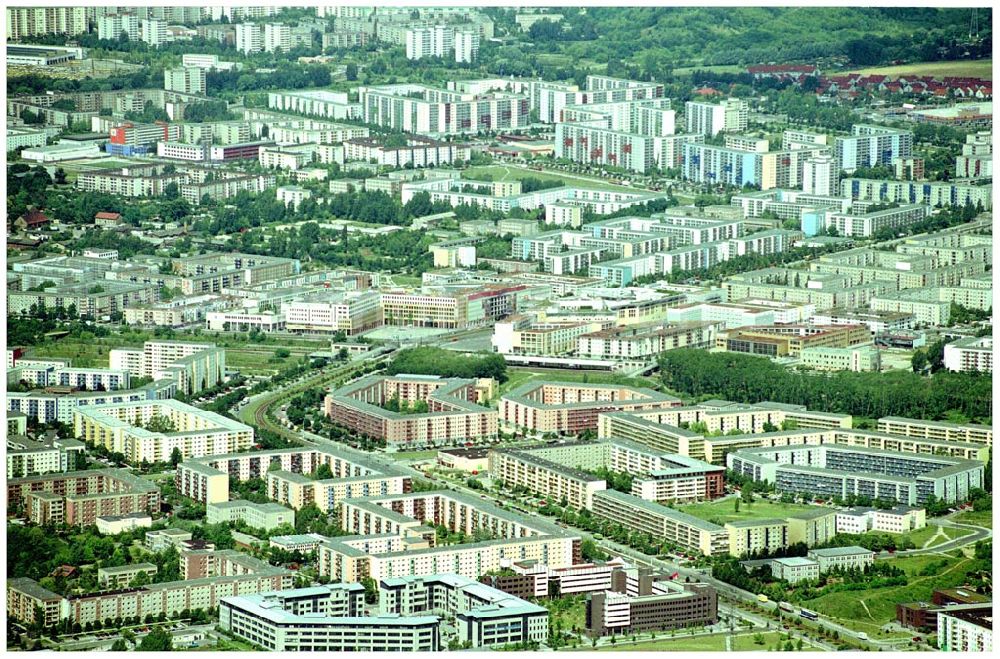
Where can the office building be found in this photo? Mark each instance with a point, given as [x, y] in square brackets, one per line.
[640, 602]
[266, 516]
[842, 558]
[794, 569]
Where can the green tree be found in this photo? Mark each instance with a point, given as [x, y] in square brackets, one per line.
[158, 640]
[176, 457]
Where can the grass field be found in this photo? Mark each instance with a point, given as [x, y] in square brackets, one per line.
[980, 518]
[710, 643]
[248, 358]
[517, 377]
[868, 611]
[511, 172]
[982, 68]
[719, 68]
[724, 510]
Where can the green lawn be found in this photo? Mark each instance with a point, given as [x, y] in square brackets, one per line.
[513, 172]
[517, 377]
[724, 510]
[868, 611]
[249, 358]
[710, 643]
[977, 518]
[745, 642]
[982, 68]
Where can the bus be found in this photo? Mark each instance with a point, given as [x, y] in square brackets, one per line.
[786, 606]
[808, 615]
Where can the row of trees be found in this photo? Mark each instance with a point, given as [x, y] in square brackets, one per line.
[751, 379]
[429, 360]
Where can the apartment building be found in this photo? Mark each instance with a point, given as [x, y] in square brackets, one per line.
[559, 481]
[112, 26]
[168, 598]
[749, 537]
[354, 474]
[869, 146]
[976, 160]
[46, 407]
[28, 457]
[192, 366]
[837, 470]
[426, 110]
[572, 408]
[185, 79]
[320, 103]
[731, 115]
[686, 531]
[25, 598]
[348, 558]
[868, 225]
[249, 38]
[119, 577]
[969, 355]
[78, 498]
[645, 341]
[967, 630]
[417, 151]
[153, 32]
[149, 431]
[525, 335]
[36, 21]
[933, 193]
[938, 430]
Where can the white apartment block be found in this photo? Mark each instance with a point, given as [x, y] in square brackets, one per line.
[111, 27]
[277, 37]
[731, 116]
[249, 38]
[34, 21]
[965, 631]
[187, 80]
[971, 354]
[193, 366]
[466, 46]
[293, 195]
[153, 31]
[432, 41]
[819, 176]
[976, 160]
